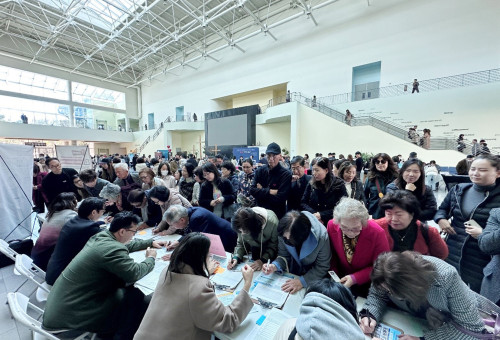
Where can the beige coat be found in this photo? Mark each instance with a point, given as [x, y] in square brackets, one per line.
[184, 306]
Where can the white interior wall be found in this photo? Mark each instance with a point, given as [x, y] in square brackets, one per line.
[471, 110]
[424, 39]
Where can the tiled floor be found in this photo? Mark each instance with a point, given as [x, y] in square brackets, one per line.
[11, 330]
[9, 282]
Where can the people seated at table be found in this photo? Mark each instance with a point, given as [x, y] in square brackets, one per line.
[92, 183]
[356, 242]
[303, 250]
[149, 180]
[299, 183]
[489, 243]
[382, 172]
[471, 203]
[166, 175]
[328, 310]
[58, 180]
[185, 305]
[92, 292]
[73, 236]
[426, 287]
[60, 211]
[353, 186]
[271, 183]
[257, 230]
[198, 219]
[149, 211]
[166, 198]
[216, 193]
[411, 178]
[323, 191]
[403, 228]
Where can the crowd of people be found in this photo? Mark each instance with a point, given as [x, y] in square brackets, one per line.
[299, 216]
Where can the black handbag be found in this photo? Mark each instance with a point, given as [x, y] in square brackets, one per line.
[20, 246]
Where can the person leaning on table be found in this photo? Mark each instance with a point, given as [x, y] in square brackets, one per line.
[328, 309]
[257, 230]
[426, 287]
[184, 304]
[303, 250]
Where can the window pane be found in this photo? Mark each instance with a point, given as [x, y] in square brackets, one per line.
[38, 112]
[89, 94]
[25, 82]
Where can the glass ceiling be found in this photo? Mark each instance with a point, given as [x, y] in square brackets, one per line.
[107, 15]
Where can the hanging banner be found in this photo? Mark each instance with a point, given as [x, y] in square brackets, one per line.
[74, 156]
[16, 181]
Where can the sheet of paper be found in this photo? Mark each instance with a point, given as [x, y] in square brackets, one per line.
[267, 288]
[273, 321]
[151, 280]
[227, 280]
[226, 298]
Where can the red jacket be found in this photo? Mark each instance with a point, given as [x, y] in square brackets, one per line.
[371, 243]
[436, 247]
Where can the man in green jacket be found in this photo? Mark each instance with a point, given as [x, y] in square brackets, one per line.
[95, 293]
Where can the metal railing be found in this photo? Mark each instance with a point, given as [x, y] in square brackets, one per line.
[436, 143]
[428, 85]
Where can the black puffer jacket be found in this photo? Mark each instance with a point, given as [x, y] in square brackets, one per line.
[317, 200]
[465, 254]
[428, 204]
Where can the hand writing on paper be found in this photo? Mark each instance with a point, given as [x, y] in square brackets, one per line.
[368, 325]
[407, 337]
[257, 265]
[347, 281]
[292, 286]
[232, 264]
[171, 245]
[446, 227]
[158, 244]
[269, 268]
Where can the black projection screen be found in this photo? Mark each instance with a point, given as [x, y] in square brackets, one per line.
[230, 128]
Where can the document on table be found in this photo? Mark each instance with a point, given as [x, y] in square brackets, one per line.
[150, 280]
[227, 280]
[267, 290]
[273, 321]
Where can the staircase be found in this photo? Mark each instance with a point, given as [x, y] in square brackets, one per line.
[437, 143]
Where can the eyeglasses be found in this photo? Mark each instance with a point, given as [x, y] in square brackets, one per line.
[143, 177]
[132, 231]
[382, 161]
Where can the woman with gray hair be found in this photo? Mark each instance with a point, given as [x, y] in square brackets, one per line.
[356, 242]
[113, 196]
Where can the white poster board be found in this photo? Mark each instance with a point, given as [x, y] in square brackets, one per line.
[16, 181]
[74, 156]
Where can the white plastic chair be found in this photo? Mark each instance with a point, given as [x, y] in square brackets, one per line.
[24, 266]
[7, 250]
[19, 305]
